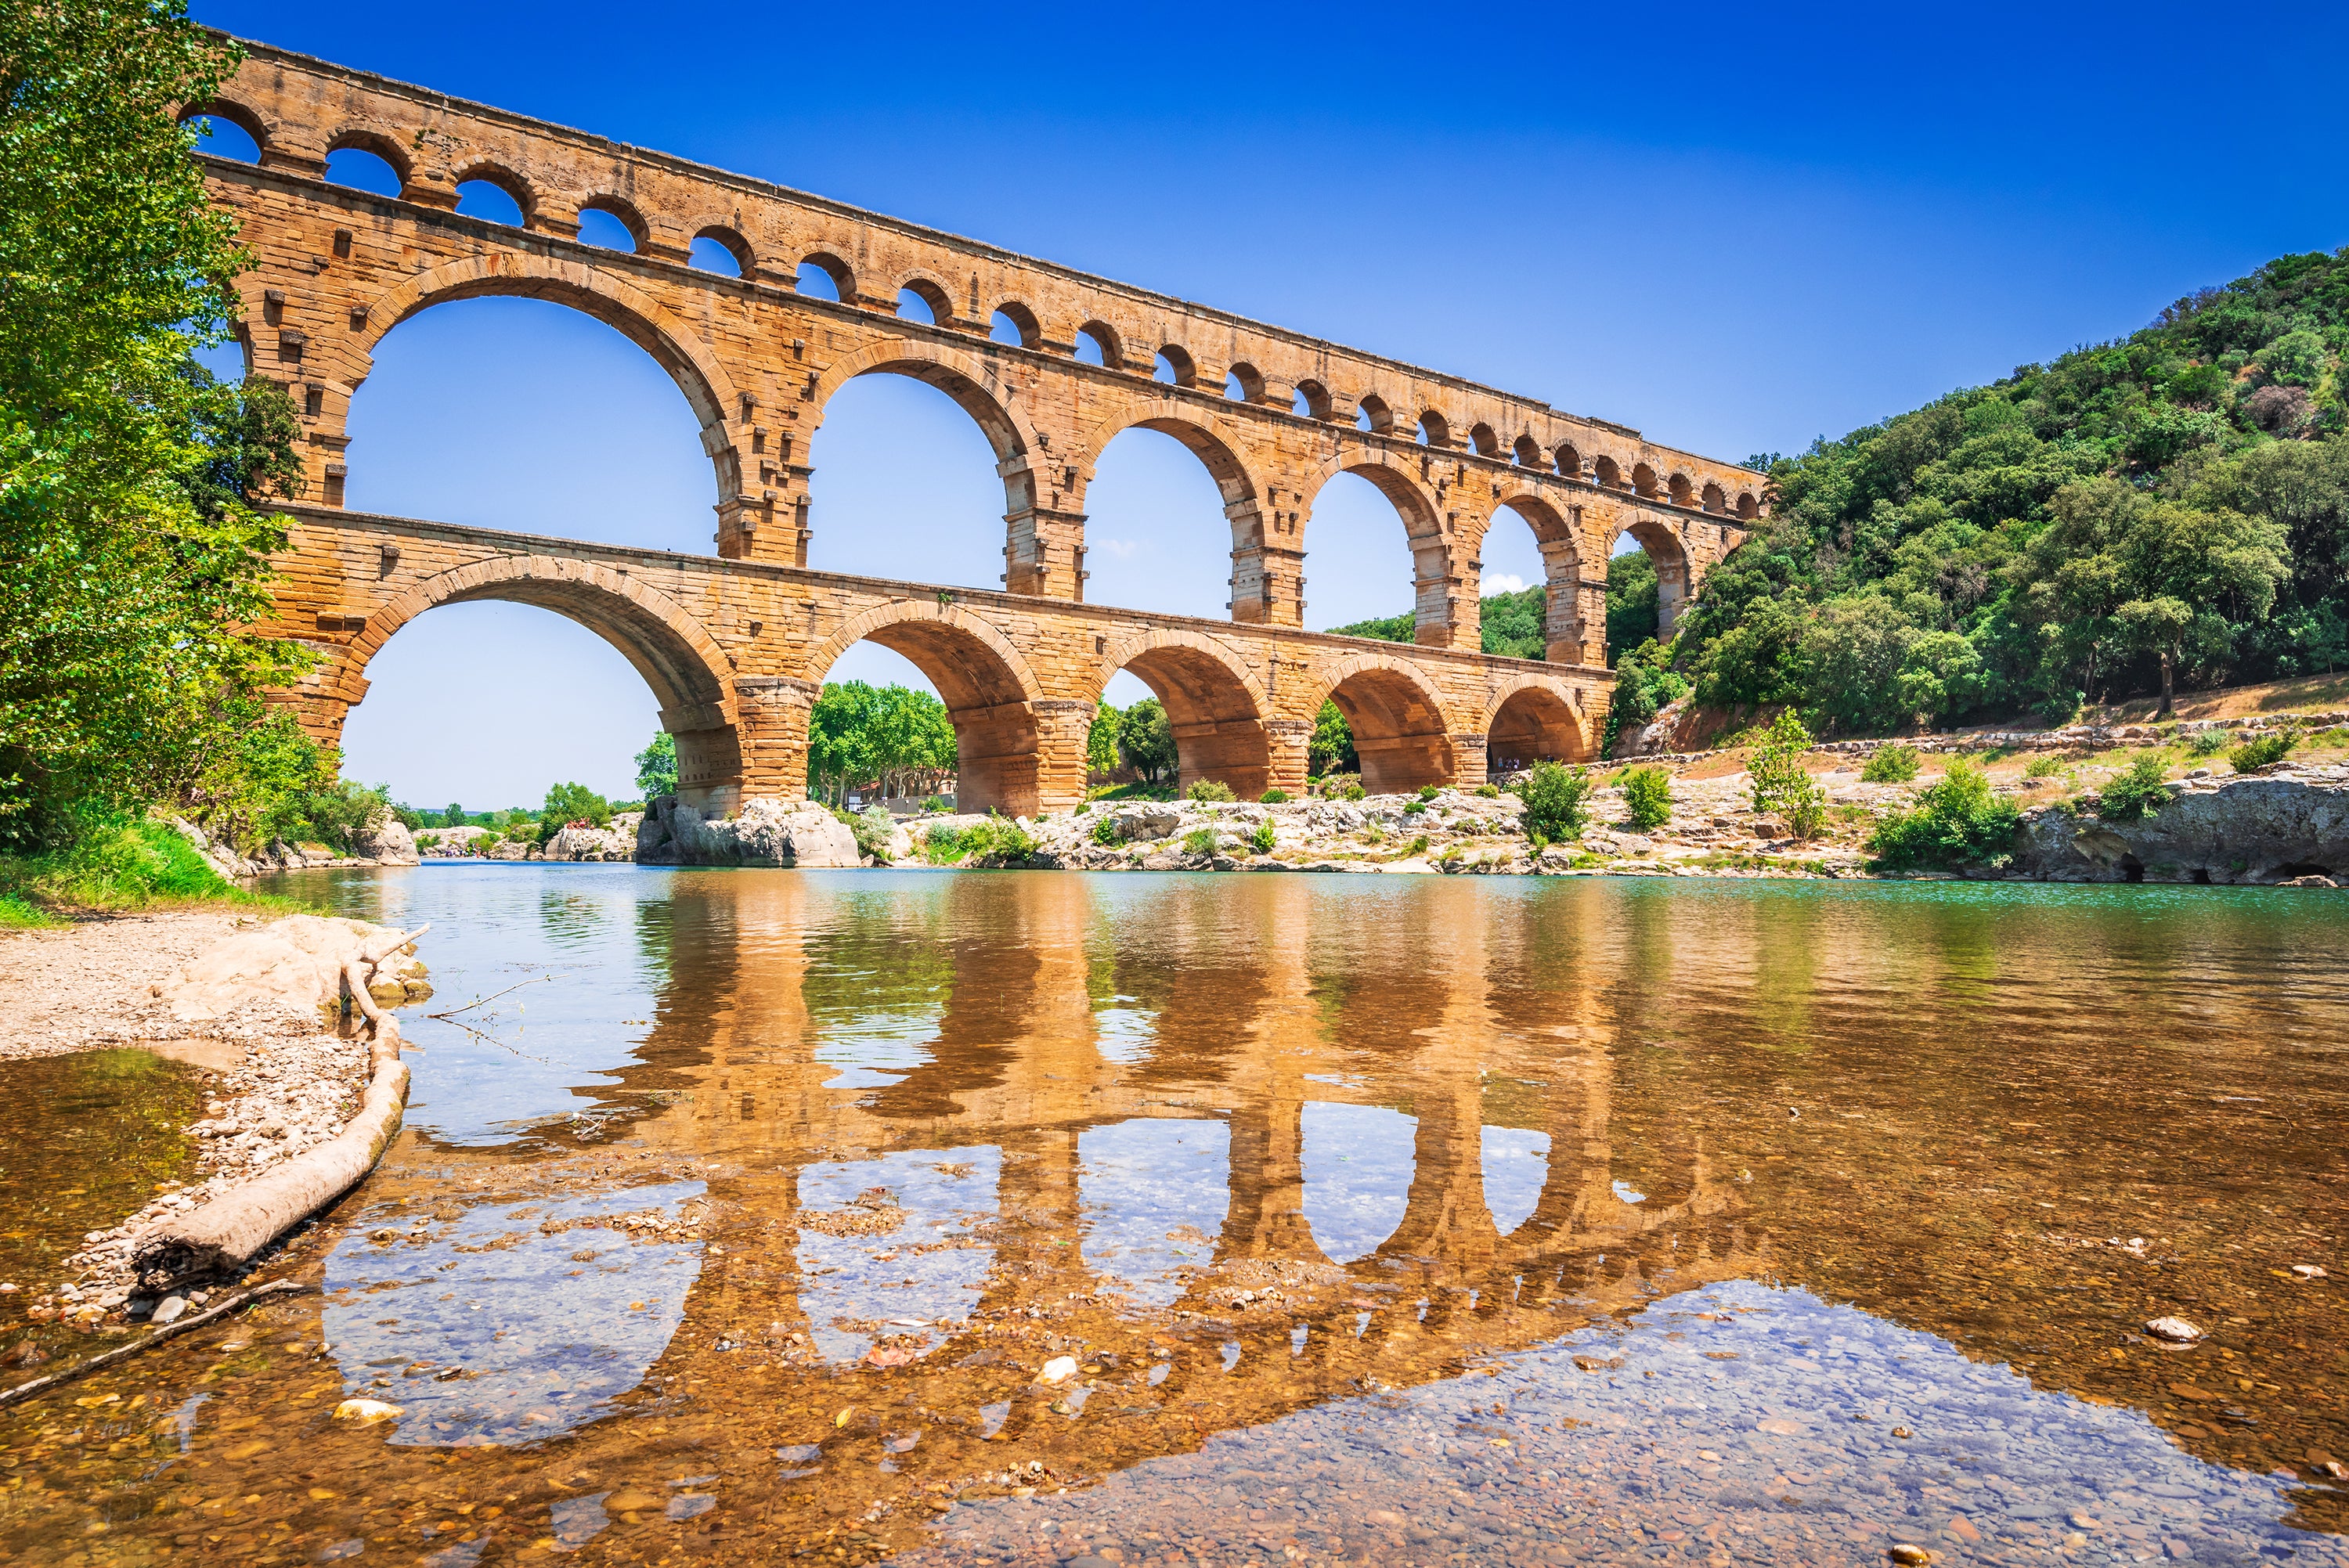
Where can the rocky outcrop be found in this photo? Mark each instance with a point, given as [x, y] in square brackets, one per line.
[766, 832]
[386, 841]
[2281, 825]
[450, 843]
[616, 842]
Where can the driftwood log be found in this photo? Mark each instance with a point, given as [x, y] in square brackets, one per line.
[229, 1232]
[40, 1386]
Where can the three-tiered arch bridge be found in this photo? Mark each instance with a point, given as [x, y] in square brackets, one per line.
[1050, 363]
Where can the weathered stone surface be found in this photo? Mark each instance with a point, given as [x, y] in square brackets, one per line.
[616, 842]
[767, 832]
[2262, 829]
[386, 841]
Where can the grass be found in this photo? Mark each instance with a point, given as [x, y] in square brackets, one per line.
[117, 864]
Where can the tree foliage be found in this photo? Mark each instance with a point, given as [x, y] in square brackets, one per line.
[131, 556]
[1957, 821]
[1145, 740]
[1331, 747]
[892, 739]
[1556, 802]
[656, 769]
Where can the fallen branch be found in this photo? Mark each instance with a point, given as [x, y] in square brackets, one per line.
[40, 1386]
[231, 1230]
[485, 1001]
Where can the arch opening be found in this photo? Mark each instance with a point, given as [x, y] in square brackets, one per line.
[606, 229]
[1526, 562]
[721, 250]
[1243, 384]
[1372, 414]
[1399, 730]
[1174, 366]
[906, 467]
[1481, 437]
[1604, 470]
[1097, 344]
[1569, 460]
[1356, 522]
[988, 692]
[923, 301]
[1311, 401]
[825, 276]
[226, 130]
[1014, 325]
[361, 164]
[1218, 722]
[1647, 584]
[493, 200]
[1159, 488]
[1526, 452]
[1434, 430]
[1644, 479]
[1533, 724]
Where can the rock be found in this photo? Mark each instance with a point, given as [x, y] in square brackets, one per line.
[293, 966]
[588, 844]
[366, 1410]
[2308, 1271]
[766, 832]
[168, 1310]
[1907, 1552]
[631, 1502]
[1059, 1369]
[386, 841]
[2243, 830]
[2176, 1330]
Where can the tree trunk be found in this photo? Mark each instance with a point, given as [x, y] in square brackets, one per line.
[2168, 672]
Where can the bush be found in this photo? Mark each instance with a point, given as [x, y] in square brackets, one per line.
[982, 843]
[1894, 764]
[2138, 793]
[1261, 841]
[1200, 841]
[1780, 785]
[2043, 765]
[2263, 751]
[1418, 846]
[1105, 829]
[2206, 742]
[1273, 797]
[935, 804]
[1429, 792]
[1413, 807]
[1648, 792]
[113, 860]
[1958, 821]
[1488, 792]
[1352, 790]
[874, 828]
[1209, 790]
[1556, 802]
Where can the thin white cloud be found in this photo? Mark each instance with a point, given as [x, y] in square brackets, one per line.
[1504, 583]
[1123, 549]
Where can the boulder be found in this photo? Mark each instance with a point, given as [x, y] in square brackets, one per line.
[766, 832]
[583, 843]
[386, 841]
[2264, 829]
[291, 968]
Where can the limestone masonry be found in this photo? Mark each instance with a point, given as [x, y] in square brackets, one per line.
[736, 646]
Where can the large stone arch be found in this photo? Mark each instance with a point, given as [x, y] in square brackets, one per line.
[1255, 527]
[1667, 550]
[1534, 718]
[995, 700]
[1556, 536]
[637, 314]
[1436, 586]
[1214, 703]
[692, 676]
[1402, 732]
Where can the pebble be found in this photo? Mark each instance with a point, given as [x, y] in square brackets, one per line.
[365, 1411]
[168, 1310]
[2177, 1330]
[1058, 1369]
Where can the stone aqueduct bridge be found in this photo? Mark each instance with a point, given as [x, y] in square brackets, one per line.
[736, 647]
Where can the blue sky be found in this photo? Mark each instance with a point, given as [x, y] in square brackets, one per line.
[1734, 228]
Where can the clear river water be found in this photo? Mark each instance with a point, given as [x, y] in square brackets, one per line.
[1044, 1218]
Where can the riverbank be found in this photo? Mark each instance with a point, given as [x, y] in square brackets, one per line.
[248, 1003]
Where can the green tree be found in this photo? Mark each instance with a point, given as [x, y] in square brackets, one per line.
[1101, 741]
[656, 769]
[1648, 795]
[1632, 605]
[1779, 782]
[569, 803]
[1145, 740]
[135, 559]
[454, 816]
[1331, 747]
[1556, 802]
[1957, 821]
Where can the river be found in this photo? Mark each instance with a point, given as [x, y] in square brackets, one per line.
[1442, 1220]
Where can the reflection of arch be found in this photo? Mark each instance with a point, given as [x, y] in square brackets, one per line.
[1533, 719]
[1213, 702]
[987, 687]
[1398, 720]
[688, 673]
[612, 300]
[359, 138]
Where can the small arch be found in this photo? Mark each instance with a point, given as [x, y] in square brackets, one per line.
[921, 300]
[720, 250]
[1096, 344]
[1527, 452]
[1398, 721]
[1311, 401]
[1569, 460]
[1604, 470]
[1214, 704]
[1372, 414]
[214, 121]
[1244, 383]
[1644, 479]
[822, 275]
[1533, 721]
[1175, 366]
[481, 188]
[1714, 498]
[987, 687]
[1434, 430]
[1480, 436]
[1683, 492]
[353, 158]
[1747, 507]
[611, 225]
[1014, 325]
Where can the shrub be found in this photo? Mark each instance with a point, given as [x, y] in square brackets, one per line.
[1200, 841]
[982, 843]
[1105, 829]
[2138, 793]
[1418, 846]
[1413, 807]
[1261, 840]
[1957, 821]
[935, 804]
[1429, 792]
[1557, 801]
[1780, 784]
[2262, 751]
[1209, 790]
[1648, 792]
[2042, 767]
[874, 828]
[1488, 792]
[1353, 790]
[1894, 764]
[1273, 797]
[2206, 742]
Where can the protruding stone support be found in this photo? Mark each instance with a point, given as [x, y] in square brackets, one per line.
[1045, 553]
[1269, 586]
